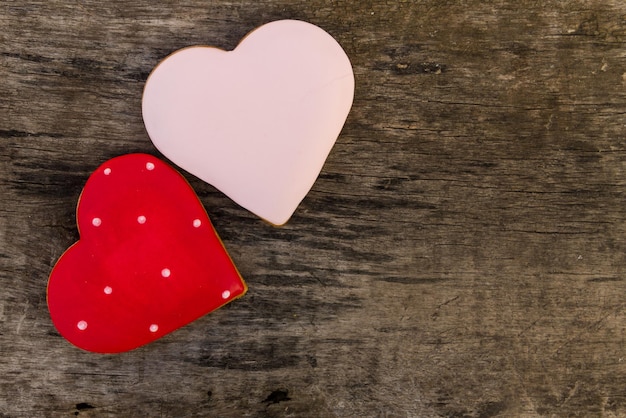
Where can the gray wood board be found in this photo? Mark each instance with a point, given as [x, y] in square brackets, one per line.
[462, 253]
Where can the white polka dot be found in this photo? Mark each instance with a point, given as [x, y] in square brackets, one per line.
[96, 221]
[197, 223]
[150, 166]
[82, 325]
[108, 290]
[225, 294]
[141, 219]
[107, 171]
[154, 328]
[166, 272]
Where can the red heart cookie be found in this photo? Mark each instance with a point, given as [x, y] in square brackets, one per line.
[148, 260]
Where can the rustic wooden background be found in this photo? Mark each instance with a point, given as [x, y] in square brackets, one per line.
[463, 253]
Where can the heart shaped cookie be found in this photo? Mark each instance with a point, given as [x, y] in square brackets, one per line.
[148, 260]
[257, 122]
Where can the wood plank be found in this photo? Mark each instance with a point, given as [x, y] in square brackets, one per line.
[461, 255]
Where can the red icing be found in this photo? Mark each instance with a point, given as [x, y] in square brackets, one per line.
[148, 260]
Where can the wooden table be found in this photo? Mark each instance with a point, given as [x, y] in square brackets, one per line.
[462, 253]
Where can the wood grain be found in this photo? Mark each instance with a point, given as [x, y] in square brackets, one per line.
[461, 255]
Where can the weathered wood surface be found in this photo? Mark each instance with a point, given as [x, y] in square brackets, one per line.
[462, 254]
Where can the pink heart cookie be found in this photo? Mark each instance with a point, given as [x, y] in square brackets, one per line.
[148, 260]
[257, 122]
